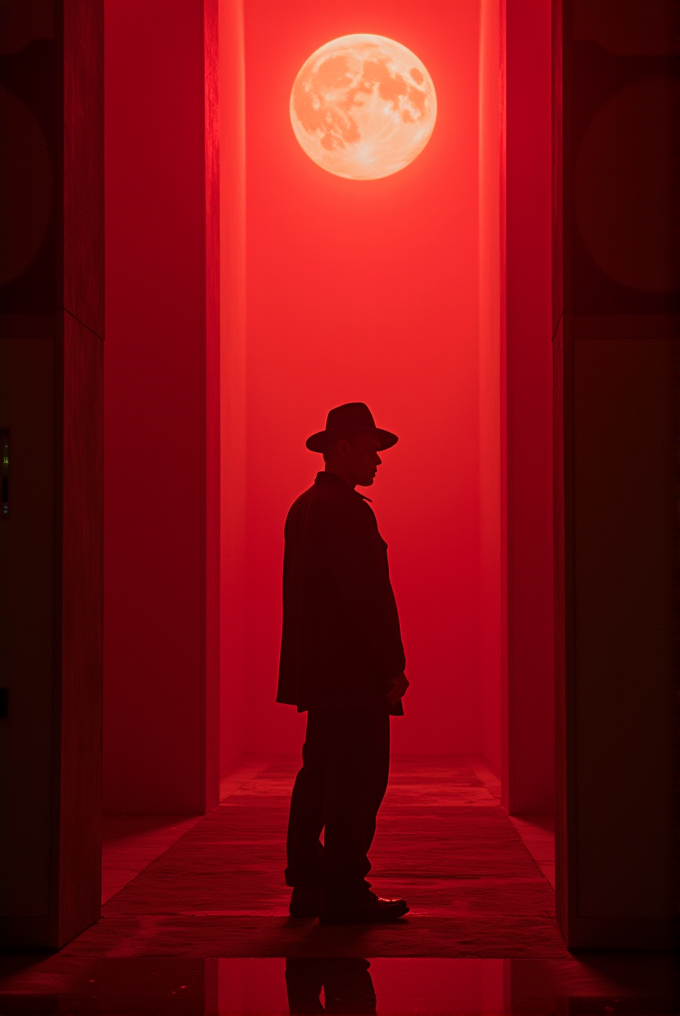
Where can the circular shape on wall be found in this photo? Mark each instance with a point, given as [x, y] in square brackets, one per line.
[26, 186]
[363, 107]
[625, 195]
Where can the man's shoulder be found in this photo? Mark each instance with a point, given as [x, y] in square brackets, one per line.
[329, 501]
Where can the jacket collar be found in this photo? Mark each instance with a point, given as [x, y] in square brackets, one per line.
[333, 479]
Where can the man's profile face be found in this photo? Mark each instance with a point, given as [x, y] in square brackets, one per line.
[362, 458]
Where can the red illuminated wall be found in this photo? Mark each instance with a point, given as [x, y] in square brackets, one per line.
[369, 291]
[492, 406]
[529, 766]
[515, 333]
[234, 706]
[162, 502]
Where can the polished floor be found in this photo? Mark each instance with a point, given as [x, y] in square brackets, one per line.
[194, 917]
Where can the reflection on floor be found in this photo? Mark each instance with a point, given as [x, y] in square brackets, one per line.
[200, 925]
[599, 984]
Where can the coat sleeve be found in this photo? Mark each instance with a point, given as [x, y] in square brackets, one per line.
[358, 567]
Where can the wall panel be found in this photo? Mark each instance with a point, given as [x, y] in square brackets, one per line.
[161, 623]
[51, 313]
[616, 472]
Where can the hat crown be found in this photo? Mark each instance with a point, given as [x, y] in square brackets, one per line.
[353, 416]
[347, 420]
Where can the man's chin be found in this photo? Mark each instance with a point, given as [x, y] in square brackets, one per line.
[366, 482]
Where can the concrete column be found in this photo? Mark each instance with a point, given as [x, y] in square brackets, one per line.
[616, 316]
[52, 317]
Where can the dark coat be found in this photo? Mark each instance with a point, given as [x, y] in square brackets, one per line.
[341, 644]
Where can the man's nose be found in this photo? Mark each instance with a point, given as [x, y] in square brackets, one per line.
[378, 460]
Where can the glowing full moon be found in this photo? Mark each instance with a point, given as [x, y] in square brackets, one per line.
[363, 106]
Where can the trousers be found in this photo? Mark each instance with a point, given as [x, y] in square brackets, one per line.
[346, 982]
[339, 789]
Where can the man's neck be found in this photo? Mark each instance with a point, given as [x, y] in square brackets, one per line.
[338, 472]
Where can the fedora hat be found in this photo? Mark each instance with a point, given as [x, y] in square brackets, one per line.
[352, 418]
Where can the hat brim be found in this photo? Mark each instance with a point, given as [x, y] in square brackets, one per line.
[317, 442]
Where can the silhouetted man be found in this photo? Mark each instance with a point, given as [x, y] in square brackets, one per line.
[346, 982]
[342, 661]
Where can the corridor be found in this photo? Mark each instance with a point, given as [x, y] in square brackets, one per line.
[195, 918]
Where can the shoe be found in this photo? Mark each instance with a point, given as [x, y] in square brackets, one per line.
[305, 903]
[367, 909]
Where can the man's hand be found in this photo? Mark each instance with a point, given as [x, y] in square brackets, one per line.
[398, 686]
